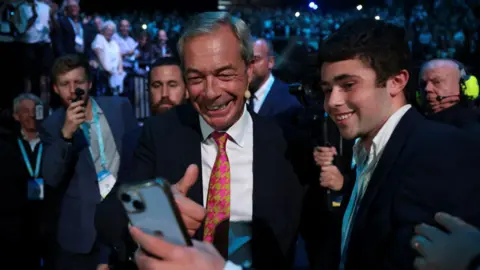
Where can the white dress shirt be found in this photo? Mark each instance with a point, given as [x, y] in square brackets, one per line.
[261, 94]
[240, 155]
[126, 44]
[40, 30]
[366, 162]
[33, 142]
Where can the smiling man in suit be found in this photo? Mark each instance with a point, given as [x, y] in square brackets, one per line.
[82, 149]
[407, 168]
[246, 188]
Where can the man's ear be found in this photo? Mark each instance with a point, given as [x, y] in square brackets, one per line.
[397, 83]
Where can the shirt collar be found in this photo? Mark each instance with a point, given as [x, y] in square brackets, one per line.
[24, 136]
[235, 132]
[361, 156]
[265, 88]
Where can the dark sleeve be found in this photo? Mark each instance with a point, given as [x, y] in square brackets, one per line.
[13, 185]
[443, 177]
[57, 39]
[316, 220]
[144, 158]
[58, 155]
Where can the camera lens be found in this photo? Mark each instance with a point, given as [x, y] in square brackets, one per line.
[126, 198]
[138, 205]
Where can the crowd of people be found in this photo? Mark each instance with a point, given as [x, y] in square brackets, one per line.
[391, 182]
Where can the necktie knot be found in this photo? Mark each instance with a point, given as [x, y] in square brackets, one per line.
[220, 139]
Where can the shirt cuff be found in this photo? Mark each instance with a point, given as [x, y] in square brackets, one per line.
[231, 266]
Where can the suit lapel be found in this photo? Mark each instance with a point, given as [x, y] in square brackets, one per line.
[269, 102]
[114, 121]
[386, 163]
[260, 165]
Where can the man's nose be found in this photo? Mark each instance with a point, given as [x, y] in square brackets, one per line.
[165, 91]
[335, 98]
[429, 87]
[211, 91]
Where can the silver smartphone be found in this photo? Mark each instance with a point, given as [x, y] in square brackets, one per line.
[150, 206]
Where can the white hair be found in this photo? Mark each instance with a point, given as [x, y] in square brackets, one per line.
[108, 24]
[208, 22]
[22, 97]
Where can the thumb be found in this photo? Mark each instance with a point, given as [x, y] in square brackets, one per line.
[188, 179]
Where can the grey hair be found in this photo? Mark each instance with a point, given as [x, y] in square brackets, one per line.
[107, 24]
[209, 22]
[25, 96]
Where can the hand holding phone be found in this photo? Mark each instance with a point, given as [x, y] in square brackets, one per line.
[151, 207]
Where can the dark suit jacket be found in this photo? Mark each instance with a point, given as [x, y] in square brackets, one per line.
[130, 143]
[70, 168]
[426, 167]
[171, 141]
[64, 38]
[279, 101]
[460, 117]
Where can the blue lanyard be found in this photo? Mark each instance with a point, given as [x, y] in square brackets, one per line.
[27, 160]
[96, 123]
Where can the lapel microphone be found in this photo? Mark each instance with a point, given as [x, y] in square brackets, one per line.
[440, 98]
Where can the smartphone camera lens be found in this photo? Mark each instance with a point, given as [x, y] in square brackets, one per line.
[126, 198]
[138, 205]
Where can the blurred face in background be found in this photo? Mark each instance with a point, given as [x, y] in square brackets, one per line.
[124, 28]
[66, 83]
[98, 21]
[162, 36]
[72, 9]
[262, 65]
[167, 88]
[142, 40]
[25, 115]
[108, 32]
[217, 77]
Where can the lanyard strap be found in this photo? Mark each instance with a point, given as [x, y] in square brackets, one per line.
[96, 123]
[27, 160]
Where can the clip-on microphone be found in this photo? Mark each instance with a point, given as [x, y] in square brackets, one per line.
[440, 98]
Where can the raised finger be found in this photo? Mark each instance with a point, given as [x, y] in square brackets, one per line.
[450, 222]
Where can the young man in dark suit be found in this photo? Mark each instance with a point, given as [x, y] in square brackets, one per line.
[407, 168]
[260, 173]
[82, 149]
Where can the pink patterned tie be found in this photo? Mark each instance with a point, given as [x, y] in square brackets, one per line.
[218, 201]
